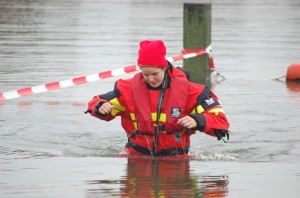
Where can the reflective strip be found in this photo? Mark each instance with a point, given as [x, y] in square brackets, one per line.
[133, 118]
[114, 112]
[116, 103]
[163, 117]
[132, 115]
[199, 109]
[133, 183]
[153, 115]
[135, 125]
[216, 111]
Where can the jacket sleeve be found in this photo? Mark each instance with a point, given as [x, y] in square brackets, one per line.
[97, 101]
[209, 115]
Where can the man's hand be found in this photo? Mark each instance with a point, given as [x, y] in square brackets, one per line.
[187, 122]
[106, 108]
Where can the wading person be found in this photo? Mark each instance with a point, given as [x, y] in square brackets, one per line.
[159, 108]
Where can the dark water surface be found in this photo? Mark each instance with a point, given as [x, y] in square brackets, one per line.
[50, 148]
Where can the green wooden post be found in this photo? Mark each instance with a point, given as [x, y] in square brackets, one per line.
[197, 35]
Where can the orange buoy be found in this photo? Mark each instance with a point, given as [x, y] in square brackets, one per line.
[293, 72]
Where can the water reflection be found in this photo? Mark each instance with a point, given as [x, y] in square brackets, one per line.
[293, 86]
[160, 178]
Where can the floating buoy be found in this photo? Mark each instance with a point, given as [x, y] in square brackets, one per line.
[293, 72]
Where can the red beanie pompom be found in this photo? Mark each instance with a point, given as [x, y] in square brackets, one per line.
[152, 53]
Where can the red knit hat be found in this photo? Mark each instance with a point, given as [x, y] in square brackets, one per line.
[152, 53]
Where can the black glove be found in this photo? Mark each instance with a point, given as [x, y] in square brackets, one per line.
[220, 133]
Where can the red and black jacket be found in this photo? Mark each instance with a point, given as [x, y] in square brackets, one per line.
[136, 102]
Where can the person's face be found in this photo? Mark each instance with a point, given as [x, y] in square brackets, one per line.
[153, 75]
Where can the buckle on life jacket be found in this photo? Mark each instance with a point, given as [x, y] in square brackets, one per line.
[161, 129]
[135, 133]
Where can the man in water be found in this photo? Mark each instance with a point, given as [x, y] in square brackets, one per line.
[159, 108]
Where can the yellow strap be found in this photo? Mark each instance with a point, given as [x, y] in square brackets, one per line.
[117, 105]
[198, 109]
[163, 117]
[216, 111]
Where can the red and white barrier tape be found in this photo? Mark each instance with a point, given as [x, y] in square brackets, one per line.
[219, 77]
[93, 77]
[202, 51]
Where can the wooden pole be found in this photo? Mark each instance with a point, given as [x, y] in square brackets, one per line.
[197, 35]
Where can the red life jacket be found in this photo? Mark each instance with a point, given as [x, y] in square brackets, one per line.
[174, 104]
[172, 137]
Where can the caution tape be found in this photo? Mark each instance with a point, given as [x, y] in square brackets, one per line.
[93, 77]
